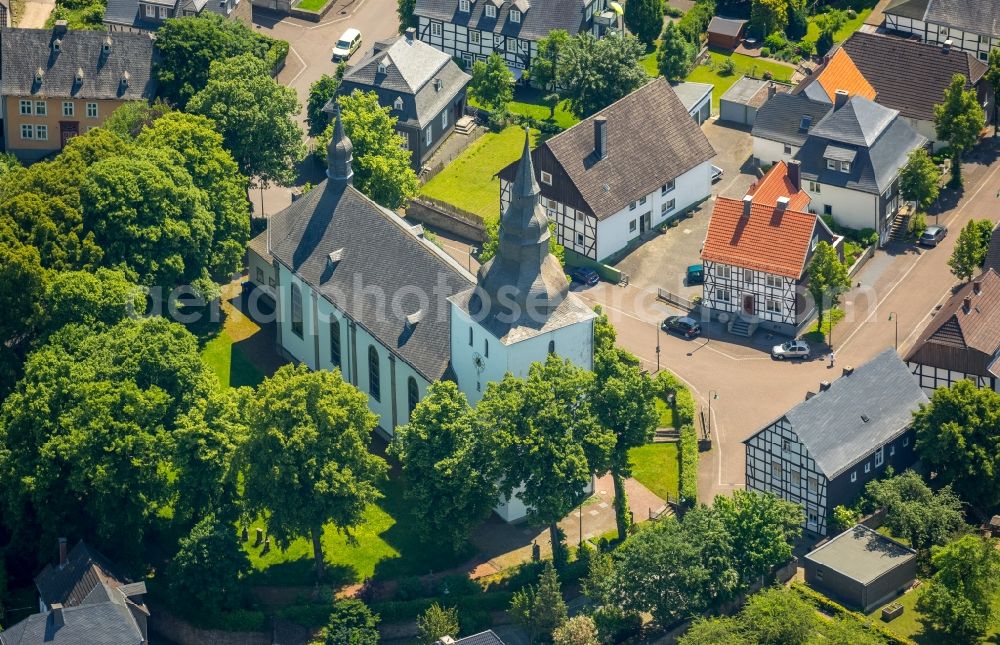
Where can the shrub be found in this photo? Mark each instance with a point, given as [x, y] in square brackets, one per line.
[409, 588]
[824, 43]
[776, 41]
[308, 615]
[672, 12]
[474, 621]
[836, 610]
[695, 21]
[852, 14]
[727, 67]
[688, 446]
[666, 383]
[458, 585]
[614, 625]
[765, 52]
[807, 48]
[238, 620]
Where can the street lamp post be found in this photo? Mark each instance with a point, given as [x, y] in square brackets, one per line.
[712, 394]
[893, 317]
[657, 348]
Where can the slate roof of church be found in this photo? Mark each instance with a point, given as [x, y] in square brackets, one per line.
[386, 255]
[104, 623]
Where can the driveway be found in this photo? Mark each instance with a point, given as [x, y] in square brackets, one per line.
[663, 260]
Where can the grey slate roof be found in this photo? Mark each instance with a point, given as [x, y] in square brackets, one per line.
[875, 165]
[542, 17]
[127, 12]
[691, 94]
[382, 252]
[488, 637]
[831, 424]
[24, 51]
[412, 68]
[993, 254]
[725, 26]
[908, 8]
[910, 76]
[861, 554]
[651, 140]
[106, 623]
[85, 571]
[779, 119]
[975, 16]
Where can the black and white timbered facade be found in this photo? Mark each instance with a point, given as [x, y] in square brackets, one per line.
[774, 301]
[473, 29]
[822, 453]
[967, 25]
[604, 184]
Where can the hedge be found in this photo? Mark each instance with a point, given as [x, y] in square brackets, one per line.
[667, 383]
[689, 465]
[395, 611]
[837, 610]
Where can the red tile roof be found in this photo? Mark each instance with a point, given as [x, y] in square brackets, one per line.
[769, 240]
[776, 183]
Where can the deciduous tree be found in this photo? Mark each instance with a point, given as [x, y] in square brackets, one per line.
[958, 437]
[351, 621]
[256, 117]
[971, 248]
[914, 511]
[596, 73]
[992, 77]
[443, 457]
[541, 609]
[961, 598]
[492, 84]
[768, 16]
[205, 571]
[306, 461]
[96, 300]
[544, 70]
[644, 18]
[762, 527]
[918, 180]
[320, 93]
[578, 630]
[675, 54]
[404, 9]
[828, 279]
[435, 623]
[779, 615]
[959, 119]
[723, 630]
[547, 439]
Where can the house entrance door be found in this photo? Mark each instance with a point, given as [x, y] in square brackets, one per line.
[748, 306]
[645, 222]
[68, 130]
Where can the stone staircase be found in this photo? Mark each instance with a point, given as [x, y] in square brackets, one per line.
[900, 228]
[666, 435]
[465, 125]
[740, 327]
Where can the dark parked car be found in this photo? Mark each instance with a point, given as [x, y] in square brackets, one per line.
[933, 235]
[683, 325]
[585, 276]
[695, 274]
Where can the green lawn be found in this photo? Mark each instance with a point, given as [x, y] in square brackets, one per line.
[229, 363]
[529, 101]
[830, 319]
[469, 182]
[745, 66]
[649, 64]
[385, 546]
[655, 466]
[841, 34]
[312, 5]
[911, 623]
[666, 414]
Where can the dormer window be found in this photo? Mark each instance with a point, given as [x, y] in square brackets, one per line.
[39, 75]
[515, 15]
[79, 75]
[491, 11]
[831, 164]
[106, 47]
[381, 67]
[845, 166]
[125, 79]
[56, 44]
[463, 5]
[334, 258]
[398, 103]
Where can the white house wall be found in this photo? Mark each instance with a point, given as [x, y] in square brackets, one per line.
[850, 208]
[978, 45]
[768, 152]
[457, 41]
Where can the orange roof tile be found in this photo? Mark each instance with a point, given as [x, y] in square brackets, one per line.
[769, 240]
[842, 74]
[776, 183]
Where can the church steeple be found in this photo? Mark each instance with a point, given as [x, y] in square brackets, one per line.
[339, 152]
[523, 278]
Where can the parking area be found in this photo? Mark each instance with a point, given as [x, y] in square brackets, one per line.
[661, 262]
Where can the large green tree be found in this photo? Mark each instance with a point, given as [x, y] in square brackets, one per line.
[351, 622]
[959, 119]
[321, 92]
[256, 117]
[595, 73]
[763, 529]
[961, 599]
[492, 84]
[443, 457]
[644, 18]
[547, 439]
[404, 10]
[188, 46]
[675, 54]
[779, 616]
[715, 631]
[828, 279]
[96, 300]
[971, 248]
[623, 400]
[206, 569]
[958, 437]
[918, 180]
[540, 608]
[381, 166]
[306, 461]
[768, 16]
[923, 516]
[545, 64]
[992, 77]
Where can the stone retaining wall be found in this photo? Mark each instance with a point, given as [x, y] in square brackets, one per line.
[181, 632]
[446, 218]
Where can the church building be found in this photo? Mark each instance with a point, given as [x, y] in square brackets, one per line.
[357, 288]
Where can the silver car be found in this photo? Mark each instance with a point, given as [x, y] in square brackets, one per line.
[791, 349]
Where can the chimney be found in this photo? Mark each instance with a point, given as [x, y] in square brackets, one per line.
[848, 370]
[57, 614]
[772, 89]
[977, 286]
[840, 99]
[62, 552]
[947, 46]
[967, 303]
[410, 33]
[826, 58]
[747, 203]
[60, 27]
[601, 137]
[782, 204]
[795, 175]
[824, 386]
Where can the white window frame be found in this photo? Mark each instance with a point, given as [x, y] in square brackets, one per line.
[667, 187]
[773, 306]
[723, 271]
[380, 68]
[723, 295]
[668, 206]
[854, 475]
[428, 135]
[868, 466]
[880, 456]
[474, 37]
[27, 131]
[41, 133]
[787, 149]
[515, 16]
[773, 281]
[444, 118]
[546, 178]
[92, 110]
[642, 200]
[41, 108]
[463, 6]
[149, 10]
[845, 166]
[491, 11]
[831, 164]
[68, 108]
[632, 206]
[632, 226]
[776, 469]
[398, 103]
[163, 13]
[814, 187]
[435, 28]
[27, 107]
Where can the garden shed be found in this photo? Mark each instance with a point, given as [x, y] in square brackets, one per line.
[725, 33]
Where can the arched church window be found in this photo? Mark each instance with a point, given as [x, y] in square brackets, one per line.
[374, 377]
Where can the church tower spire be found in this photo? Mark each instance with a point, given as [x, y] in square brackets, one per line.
[339, 152]
[523, 279]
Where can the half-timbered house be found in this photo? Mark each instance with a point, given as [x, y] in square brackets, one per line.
[822, 453]
[617, 174]
[969, 25]
[962, 341]
[756, 252]
[474, 29]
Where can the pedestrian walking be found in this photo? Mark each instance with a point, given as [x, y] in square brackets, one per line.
[833, 358]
